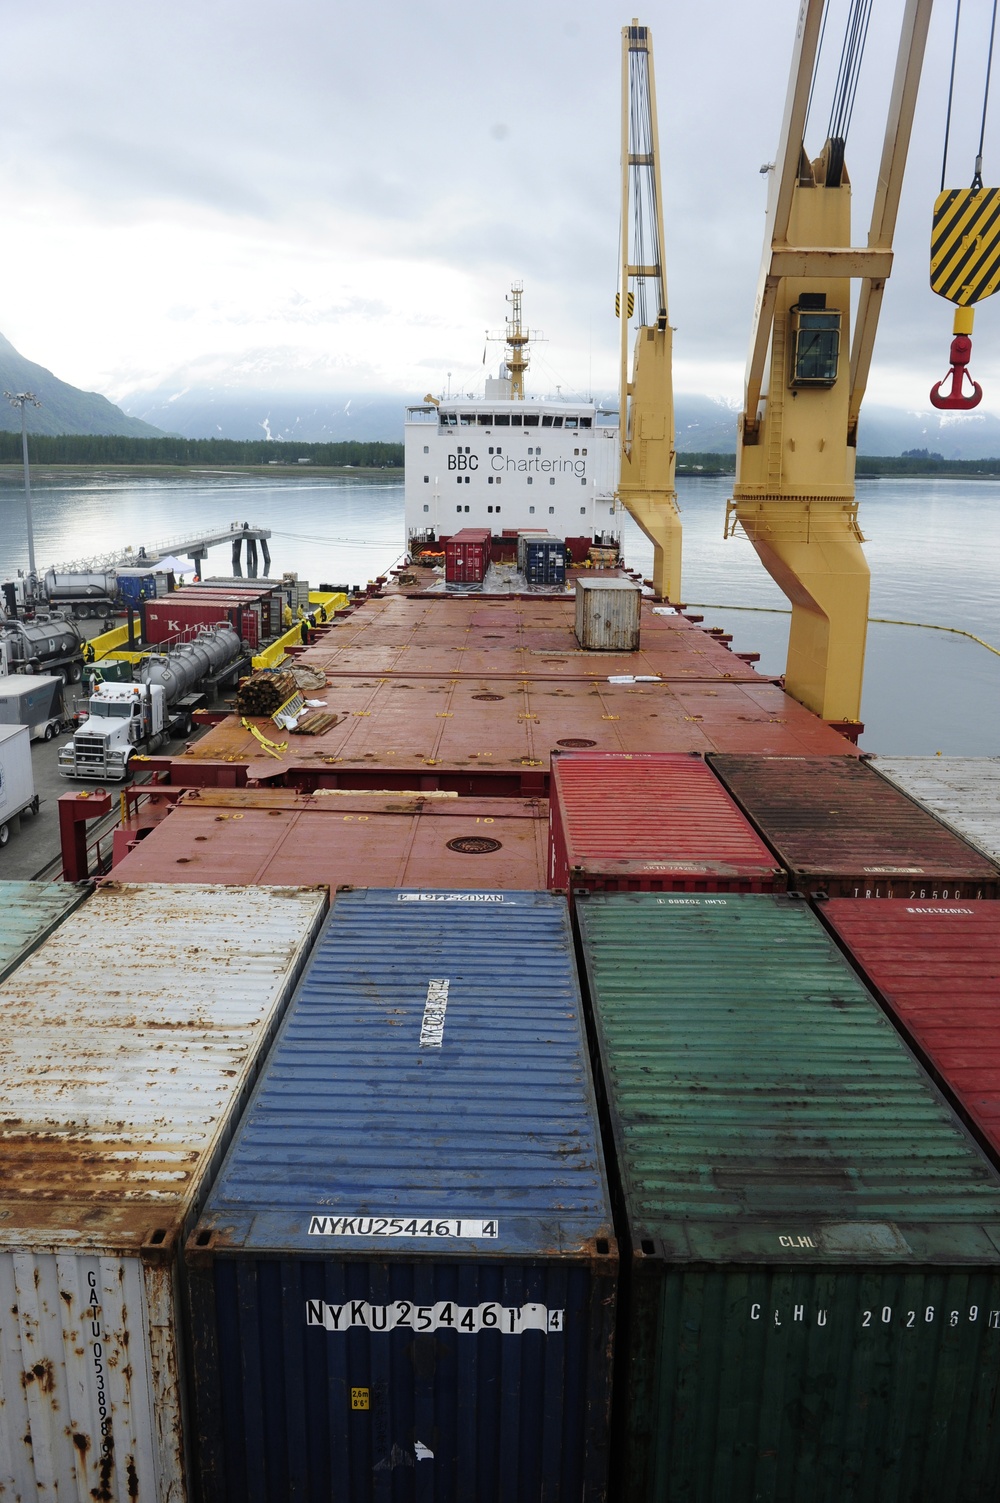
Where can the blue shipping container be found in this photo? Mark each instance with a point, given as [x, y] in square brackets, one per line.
[543, 560]
[403, 1285]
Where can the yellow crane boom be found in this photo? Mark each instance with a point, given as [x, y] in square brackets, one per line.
[794, 493]
[646, 402]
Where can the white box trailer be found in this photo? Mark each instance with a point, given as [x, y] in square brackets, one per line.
[129, 1043]
[34, 700]
[17, 782]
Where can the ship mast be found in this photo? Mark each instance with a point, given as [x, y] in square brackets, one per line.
[517, 340]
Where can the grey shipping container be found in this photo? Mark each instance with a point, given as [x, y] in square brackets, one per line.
[130, 1041]
[29, 911]
[813, 1276]
[607, 615]
[964, 792]
[403, 1284]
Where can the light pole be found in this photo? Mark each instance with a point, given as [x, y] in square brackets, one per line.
[21, 399]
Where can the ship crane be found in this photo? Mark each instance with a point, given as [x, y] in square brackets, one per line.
[806, 376]
[646, 402]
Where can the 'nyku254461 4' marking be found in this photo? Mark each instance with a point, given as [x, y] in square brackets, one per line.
[445, 1315]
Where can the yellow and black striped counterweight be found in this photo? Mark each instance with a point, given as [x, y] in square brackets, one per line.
[965, 245]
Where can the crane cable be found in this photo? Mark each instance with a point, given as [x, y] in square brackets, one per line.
[977, 179]
[849, 69]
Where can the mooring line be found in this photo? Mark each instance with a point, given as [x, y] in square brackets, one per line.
[777, 610]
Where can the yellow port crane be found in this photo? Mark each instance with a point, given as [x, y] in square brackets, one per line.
[646, 402]
[794, 493]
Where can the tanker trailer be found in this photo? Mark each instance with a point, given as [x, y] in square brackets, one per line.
[49, 644]
[122, 718]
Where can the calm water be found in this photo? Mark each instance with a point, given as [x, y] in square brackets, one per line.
[934, 549]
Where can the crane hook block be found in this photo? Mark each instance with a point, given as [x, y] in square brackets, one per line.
[957, 398]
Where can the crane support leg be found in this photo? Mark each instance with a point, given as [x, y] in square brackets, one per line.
[812, 550]
[646, 480]
[661, 522]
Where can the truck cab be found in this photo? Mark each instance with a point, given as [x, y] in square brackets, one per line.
[120, 718]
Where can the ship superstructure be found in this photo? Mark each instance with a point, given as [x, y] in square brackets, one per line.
[506, 461]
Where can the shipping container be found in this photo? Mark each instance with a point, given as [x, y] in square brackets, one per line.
[29, 911]
[653, 822]
[838, 828]
[163, 620]
[467, 556]
[34, 700]
[276, 836]
[936, 967]
[964, 792]
[403, 1284]
[813, 1269]
[541, 558]
[17, 781]
[607, 615]
[130, 1041]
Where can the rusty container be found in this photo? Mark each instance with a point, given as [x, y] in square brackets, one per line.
[839, 828]
[467, 556]
[276, 836]
[936, 969]
[131, 1039]
[607, 615]
[403, 1284]
[652, 822]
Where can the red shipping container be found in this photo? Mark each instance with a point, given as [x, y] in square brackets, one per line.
[275, 836]
[936, 967]
[467, 556]
[651, 822]
[173, 615]
[838, 828]
[248, 609]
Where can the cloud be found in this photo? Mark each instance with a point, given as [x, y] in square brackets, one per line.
[196, 180]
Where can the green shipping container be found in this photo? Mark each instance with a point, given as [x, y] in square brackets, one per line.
[812, 1306]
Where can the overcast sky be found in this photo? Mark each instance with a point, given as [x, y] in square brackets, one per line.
[333, 195]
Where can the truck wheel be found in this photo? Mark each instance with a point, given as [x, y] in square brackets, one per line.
[49, 731]
[4, 834]
[35, 804]
[73, 673]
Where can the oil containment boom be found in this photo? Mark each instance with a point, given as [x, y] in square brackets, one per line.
[795, 455]
[646, 402]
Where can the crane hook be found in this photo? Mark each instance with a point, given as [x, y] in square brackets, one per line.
[956, 398]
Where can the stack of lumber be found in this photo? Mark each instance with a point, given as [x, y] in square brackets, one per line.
[264, 692]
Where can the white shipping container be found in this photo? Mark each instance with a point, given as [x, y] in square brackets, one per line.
[964, 792]
[607, 615]
[17, 783]
[130, 1041]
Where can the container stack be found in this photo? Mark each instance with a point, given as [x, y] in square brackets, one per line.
[131, 1039]
[813, 1266]
[407, 1265]
[467, 556]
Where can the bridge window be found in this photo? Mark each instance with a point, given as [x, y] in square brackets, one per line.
[531, 419]
[585, 423]
[515, 421]
[486, 420]
[502, 420]
[570, 423]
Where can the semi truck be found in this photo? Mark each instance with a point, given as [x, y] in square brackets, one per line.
[17, 784]
[48, 644]
[100, 593]
[125, 718]
[34, 700]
